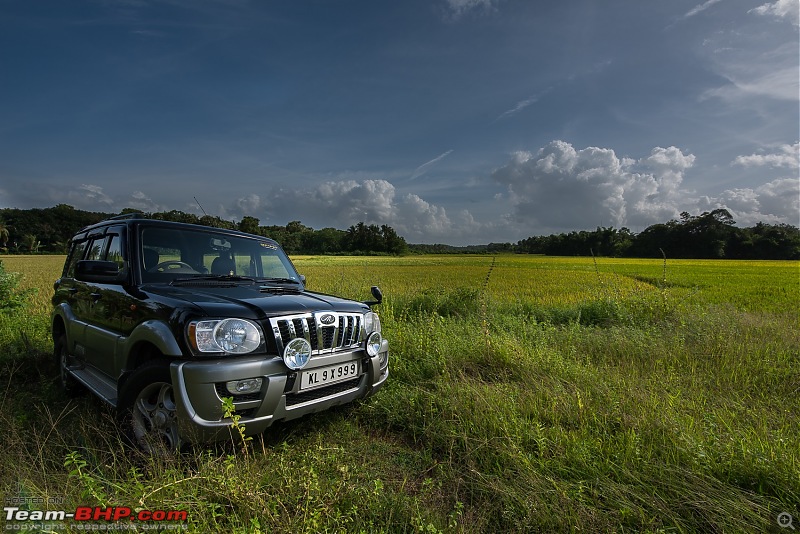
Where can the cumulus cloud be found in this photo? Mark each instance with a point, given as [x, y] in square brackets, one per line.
[784, 9]
[249, 204]
[88, 194]
[775, 202]
[562, 188]
[347, 202]
[140, 201]
[787, 156]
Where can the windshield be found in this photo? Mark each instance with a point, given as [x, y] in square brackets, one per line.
[171, 253]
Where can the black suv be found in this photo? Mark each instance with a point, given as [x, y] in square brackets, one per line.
[163, 320]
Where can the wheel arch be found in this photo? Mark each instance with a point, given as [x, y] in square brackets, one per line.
[149, 341]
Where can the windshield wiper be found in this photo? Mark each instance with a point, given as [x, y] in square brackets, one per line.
[212, 277]
[279, 280]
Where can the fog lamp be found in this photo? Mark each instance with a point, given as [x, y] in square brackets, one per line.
[243, 387]
[297, 353]
[374, 344]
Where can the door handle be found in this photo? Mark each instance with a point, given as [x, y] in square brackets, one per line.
[95, 296]
[72, 290]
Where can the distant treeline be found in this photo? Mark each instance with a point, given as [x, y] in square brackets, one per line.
[48, 230]
[708, 235]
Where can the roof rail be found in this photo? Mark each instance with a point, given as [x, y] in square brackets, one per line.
[127, 216]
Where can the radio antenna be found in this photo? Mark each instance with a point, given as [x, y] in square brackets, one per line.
[201, 207]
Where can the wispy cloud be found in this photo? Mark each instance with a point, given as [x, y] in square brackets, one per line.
[456, 8]
[522, 104]
[786, 9]
[700, 8]
[419, 171]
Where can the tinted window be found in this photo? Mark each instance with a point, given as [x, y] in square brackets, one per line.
[76, 253]
[95, 249]
[115, 251]
[168, 253]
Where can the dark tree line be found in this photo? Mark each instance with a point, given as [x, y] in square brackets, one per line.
[708, 235]
[48, 230]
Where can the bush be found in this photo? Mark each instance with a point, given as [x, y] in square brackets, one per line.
[11, 297]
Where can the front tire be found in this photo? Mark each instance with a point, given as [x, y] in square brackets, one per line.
[63, 361]
[148, 412]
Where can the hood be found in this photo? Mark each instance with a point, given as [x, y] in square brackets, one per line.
[250, 302]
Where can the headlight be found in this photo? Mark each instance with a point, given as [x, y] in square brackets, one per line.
[234, 336]
[372, 323]
[297, 353]
[374, 344]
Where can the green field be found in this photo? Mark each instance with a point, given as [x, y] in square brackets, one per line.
[527, 394]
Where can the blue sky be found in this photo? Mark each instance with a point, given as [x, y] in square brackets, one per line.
[454, 121]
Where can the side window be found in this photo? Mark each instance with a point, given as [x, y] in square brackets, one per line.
[115, 251]
[96, 248]
[75, 254]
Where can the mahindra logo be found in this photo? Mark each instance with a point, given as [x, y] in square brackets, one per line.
[327, 319]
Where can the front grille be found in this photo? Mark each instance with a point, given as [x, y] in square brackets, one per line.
[325, 331]
[300, 398]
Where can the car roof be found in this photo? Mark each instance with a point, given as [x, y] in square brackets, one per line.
[137, 219]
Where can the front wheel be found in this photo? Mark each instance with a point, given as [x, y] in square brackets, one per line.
[64, 360]
[148, 412]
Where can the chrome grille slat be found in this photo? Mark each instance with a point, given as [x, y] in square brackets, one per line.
[344, 333]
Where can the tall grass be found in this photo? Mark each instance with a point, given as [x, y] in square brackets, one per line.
[526, 394]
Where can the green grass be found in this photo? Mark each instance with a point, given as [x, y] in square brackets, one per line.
[526, 394]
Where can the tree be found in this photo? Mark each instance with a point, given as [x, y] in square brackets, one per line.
[31, 243]
[248, 224]
[393, 243]
[364, 239]
[3, 234]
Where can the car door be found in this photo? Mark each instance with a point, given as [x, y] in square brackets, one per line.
[71, 292]
[106, 305]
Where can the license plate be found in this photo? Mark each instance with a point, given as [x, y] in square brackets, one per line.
[323, 376]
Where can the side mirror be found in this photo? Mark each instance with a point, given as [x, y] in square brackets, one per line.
[102, 272]
[376, 293]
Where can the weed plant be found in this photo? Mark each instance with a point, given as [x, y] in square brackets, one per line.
[526, 394]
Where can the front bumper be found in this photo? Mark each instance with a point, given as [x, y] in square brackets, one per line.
[199, 397]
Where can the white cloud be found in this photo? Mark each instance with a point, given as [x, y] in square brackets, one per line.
[699, 8]
[522, 104]
[338, 204]
[785, 9]
[249, 204]
[91, 195]
[754, 71]
[343, 203]
[419, 171]
[138, 200]
[775, 202]
[787, 156]
[561, 188]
